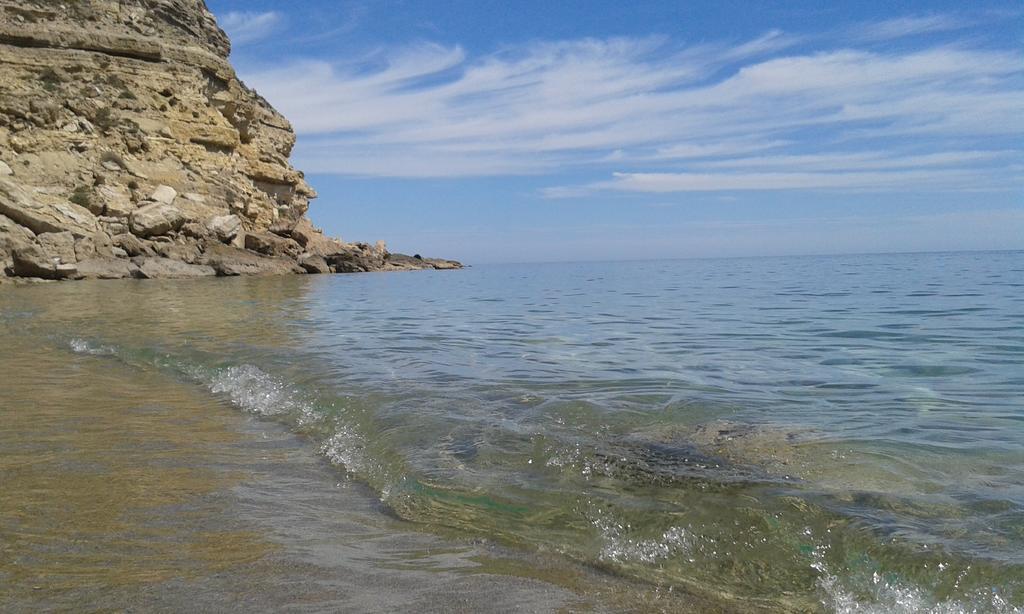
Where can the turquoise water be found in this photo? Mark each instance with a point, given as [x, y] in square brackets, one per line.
[815, 433]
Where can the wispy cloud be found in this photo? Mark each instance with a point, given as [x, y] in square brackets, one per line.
[341, 21]
[741, 115]
[900, 27]
[248, 27]
[886, 181]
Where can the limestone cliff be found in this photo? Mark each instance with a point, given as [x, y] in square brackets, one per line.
[128, 147]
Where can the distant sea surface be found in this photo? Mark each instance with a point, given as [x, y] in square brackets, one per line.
[811, 433]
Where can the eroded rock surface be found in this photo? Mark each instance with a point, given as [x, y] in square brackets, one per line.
[125, 133]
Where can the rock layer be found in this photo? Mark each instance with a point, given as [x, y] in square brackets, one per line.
[128, 147]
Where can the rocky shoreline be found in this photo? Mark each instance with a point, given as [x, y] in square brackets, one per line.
[130, 149]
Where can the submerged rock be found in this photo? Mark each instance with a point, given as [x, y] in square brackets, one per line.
[124, 125]
[772, 449]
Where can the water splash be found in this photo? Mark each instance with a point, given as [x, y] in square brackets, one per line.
[891, 597]
[882, 593]
[347, 449]
[257, 392]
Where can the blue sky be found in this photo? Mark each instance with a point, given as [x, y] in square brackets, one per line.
[498, 131]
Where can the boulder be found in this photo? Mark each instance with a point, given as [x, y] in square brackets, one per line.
[23, 208]
[12, 237]
[166, 268]
[314, 264]
[270, 244]
[164, 195]
[231, 261]
[85, 248]
[195, 230]
[184, 252]
[5, 170]
[102, 246]
[282, 228]
[356, 258]
[117, 201]
[113, 226]
[325, 246]
[302, 231]
[106, 268]
[348, 261]
[225, 227]
[59, 246]
[132, 245]
[155, 219]
[32, 261]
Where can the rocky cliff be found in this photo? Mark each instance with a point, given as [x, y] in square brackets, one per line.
[129, 148]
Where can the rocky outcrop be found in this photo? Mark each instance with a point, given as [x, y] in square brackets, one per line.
[127, 142]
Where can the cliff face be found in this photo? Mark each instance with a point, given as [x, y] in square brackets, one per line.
[128, 147]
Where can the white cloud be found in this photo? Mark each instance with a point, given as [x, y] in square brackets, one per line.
[709, 117]
[248, 27]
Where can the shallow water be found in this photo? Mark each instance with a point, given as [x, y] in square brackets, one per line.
[839, 434]
[124, 489]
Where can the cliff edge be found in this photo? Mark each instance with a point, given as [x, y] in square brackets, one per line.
[129, 148]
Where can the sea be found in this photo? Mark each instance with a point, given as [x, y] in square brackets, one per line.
[807, 434]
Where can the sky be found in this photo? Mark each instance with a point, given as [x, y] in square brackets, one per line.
[562, 130]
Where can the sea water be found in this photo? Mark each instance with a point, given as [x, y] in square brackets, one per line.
[838, 433]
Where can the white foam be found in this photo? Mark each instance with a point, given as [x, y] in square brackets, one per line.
[81, 346]
[620, 548]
